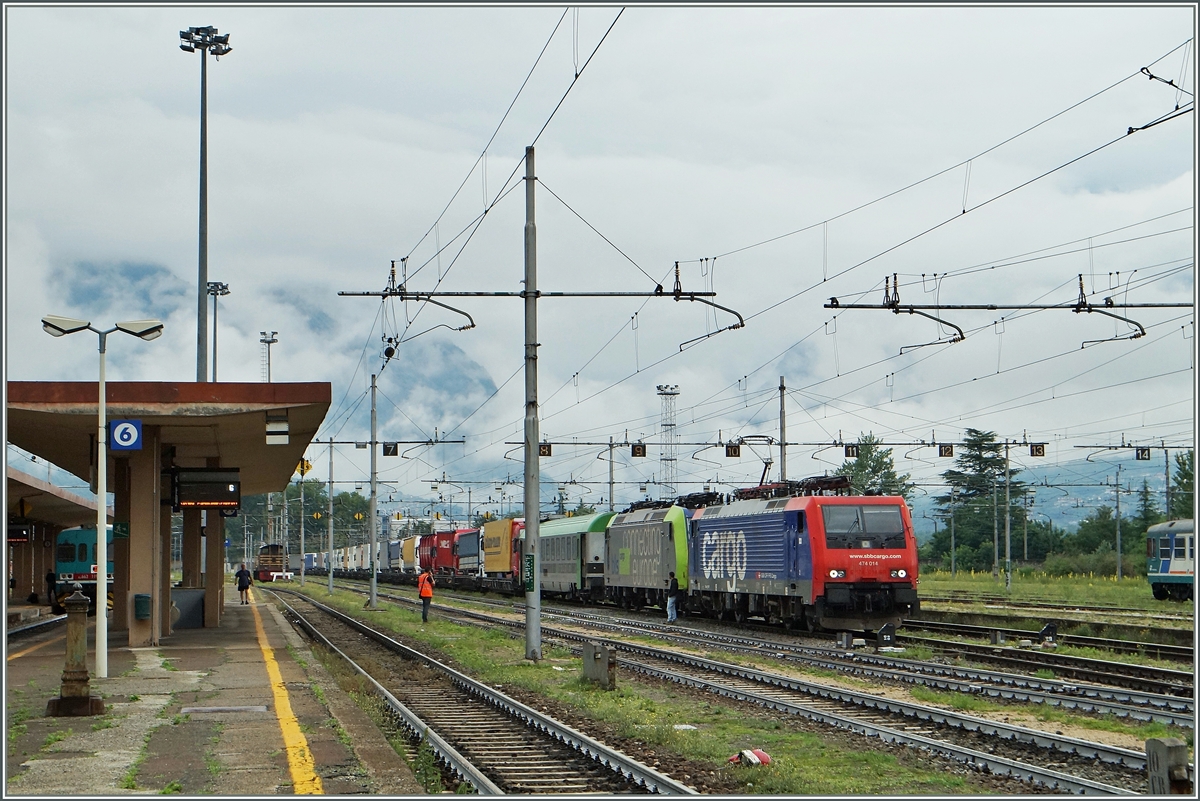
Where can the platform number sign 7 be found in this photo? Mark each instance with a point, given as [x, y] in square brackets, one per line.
[1142, 454]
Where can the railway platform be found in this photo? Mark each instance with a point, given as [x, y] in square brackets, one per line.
[243, 709]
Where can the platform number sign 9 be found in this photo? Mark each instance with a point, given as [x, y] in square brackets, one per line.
[125, 435]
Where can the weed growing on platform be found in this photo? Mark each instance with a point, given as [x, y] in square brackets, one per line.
[129, 780]
[103, 723]
[296, 657]
[320, 694]
[57, 736]
[171, 788]
[177, 719]
[15, 732]
[134, 698]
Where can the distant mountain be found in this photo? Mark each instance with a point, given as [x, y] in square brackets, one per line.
[1060, 495]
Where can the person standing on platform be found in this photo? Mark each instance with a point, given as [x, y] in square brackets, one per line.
[425, 590]
[672, 594]
[51, 587]
[244, 580]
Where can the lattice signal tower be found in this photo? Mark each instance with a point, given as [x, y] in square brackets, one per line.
[670, 436]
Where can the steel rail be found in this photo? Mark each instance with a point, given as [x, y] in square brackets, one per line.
[989, 683]
[456, 762]
[614, 760]
[1139, 677]
[1161, 650]
[1054, 779]
[32, 628]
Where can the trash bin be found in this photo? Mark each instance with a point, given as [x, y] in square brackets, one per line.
[141, 606]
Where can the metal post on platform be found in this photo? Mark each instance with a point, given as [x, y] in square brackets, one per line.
[329, 558]
[75, 698]
[372, 603]
[142, 329]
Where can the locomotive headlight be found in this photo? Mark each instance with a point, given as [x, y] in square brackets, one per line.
[835, 573]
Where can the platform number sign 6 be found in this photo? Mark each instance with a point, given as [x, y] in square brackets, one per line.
[125, 435]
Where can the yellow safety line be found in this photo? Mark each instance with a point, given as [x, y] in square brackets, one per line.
[305, 780]
[35, 647]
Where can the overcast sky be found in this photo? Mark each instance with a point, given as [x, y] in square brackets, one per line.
[782, 156]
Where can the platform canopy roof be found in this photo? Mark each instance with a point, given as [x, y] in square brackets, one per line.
[31, 498]
[56, 421]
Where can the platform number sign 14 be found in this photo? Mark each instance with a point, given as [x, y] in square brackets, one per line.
[125, 435]
[1142, 454]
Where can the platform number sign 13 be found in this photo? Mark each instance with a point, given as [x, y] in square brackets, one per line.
[1037, 449]
[1142, 454]
[125, 435]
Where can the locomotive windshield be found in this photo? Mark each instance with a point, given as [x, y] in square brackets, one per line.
[875, 527]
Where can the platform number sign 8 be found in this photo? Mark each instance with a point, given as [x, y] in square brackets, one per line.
[125, 435]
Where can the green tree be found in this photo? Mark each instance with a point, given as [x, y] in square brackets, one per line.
[976, 500]
[1148, 512]
[1183, 487]
[874, 472]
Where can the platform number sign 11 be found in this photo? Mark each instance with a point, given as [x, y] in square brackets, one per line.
[851, 451]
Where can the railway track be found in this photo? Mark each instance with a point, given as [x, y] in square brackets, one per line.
[1033, 603]
[1166, 651]
[1097, 699]
[484, 738]
[1053, 761]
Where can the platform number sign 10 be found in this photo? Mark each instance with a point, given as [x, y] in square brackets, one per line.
[1142, 454]
[125, 435]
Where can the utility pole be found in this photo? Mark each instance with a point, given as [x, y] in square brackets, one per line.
[782, 433]
[995, 534]
[329, 559]
[953, 555]
[1118, 521]
[1007, 524]
[372, 602]
[610, 474]
[533, 600]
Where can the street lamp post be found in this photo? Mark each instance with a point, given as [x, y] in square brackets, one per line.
[216, 288]
[204, 39]
[143, 329]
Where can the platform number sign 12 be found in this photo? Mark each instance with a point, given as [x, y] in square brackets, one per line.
[945, 450]
[125, 435]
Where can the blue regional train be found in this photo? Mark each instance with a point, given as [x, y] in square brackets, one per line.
[1171, 560]
[75, 561]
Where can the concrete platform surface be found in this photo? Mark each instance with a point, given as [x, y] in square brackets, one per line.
[241, 710]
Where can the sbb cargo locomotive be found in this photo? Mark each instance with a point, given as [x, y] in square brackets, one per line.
[800, 553]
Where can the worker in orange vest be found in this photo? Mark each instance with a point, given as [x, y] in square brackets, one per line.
[425, 590]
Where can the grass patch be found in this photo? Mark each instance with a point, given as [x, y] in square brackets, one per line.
[134, 697]
[57, 737]
[1044, 673]
[342, 735]
[103, 723]
[166, 665]
[804, 763]
[963, 702]
[171, 788]
[177, 719]
[15, 732]
[319, 694]
[296, 657]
